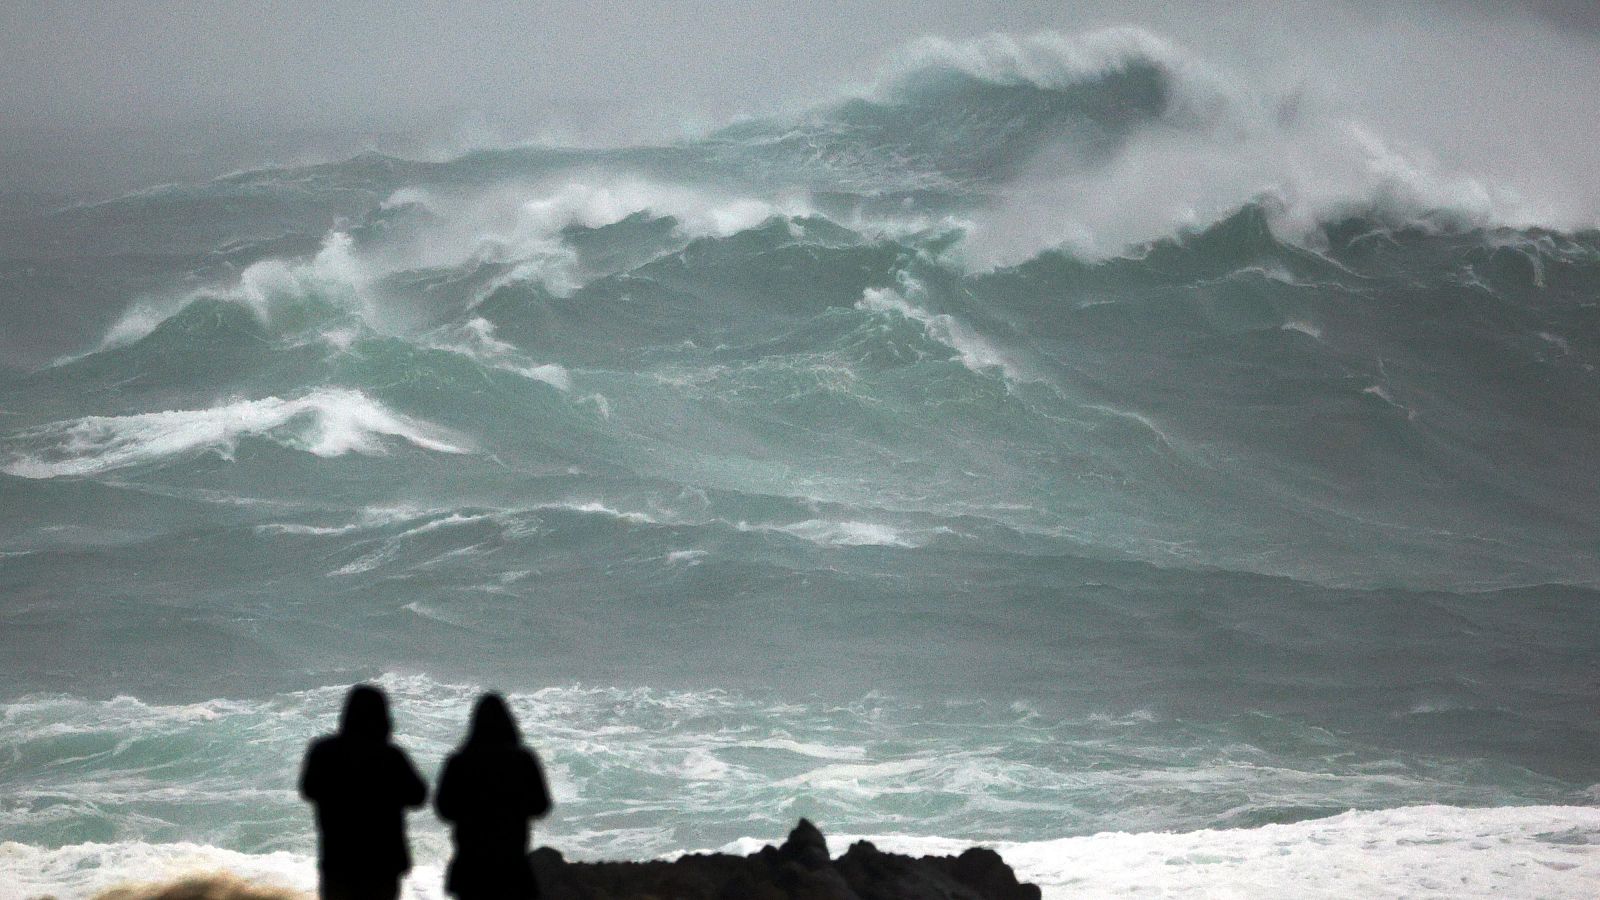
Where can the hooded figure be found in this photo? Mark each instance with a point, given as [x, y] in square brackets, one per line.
[491, 790]
[361, 785]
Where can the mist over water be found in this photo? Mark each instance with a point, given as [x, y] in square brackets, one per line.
[1057, 436]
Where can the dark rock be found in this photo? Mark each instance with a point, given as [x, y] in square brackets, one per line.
[805, 846]
[986, 873]
[798, 870]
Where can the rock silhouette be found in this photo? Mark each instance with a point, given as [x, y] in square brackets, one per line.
[798, 870]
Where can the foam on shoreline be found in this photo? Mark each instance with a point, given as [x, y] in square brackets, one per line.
[1446, 851]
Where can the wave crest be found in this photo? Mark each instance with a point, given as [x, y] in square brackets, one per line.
[326, 422]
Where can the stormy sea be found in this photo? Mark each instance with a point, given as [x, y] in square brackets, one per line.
[820, 465]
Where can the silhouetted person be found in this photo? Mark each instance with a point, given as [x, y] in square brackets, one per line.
[361, 786]
[491, 790]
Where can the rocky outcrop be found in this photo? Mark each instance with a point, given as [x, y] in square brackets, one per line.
[801, 869]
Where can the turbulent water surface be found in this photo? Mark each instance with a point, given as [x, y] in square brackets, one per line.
[764, 495]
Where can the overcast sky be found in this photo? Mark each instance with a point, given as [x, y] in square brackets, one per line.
[588, 70]
[597, 71]
[1466, 98]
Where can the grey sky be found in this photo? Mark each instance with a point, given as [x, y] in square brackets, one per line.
[598, 69]
[581, 70]
[203, 85]
[105, 97]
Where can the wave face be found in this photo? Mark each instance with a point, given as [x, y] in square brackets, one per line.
[762, 486]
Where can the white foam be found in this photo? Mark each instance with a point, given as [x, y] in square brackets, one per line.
[522, 226]
[370, 517]
[598, 508]
[37, 717]
[475, 339]
[1305, 328]
[1425, 850]
[449, 521]
[804, 748]
[601, 404]
[839, 533]
[550, 373]
[428, 612]
[695, 747]
[1232, 135]
[1382, 393]
[509, 523]
[1557, 340]
[975, 352]
[700, 764]
[333, 275]
[518, 229]
[1430, 851]
[392, 547]
[1133, 416]
[326, 422]
[862, 779]
[1054, 60]
[83, 870]
[305, 530]
[697, 211]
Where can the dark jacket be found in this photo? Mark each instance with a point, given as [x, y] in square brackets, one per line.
[361, 786]
[491, 793]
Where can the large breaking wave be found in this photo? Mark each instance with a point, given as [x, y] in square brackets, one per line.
[1169, 455]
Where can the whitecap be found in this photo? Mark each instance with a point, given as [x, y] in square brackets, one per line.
[839, 533]
[1133, 416]
[448, 521]
[864, 779]
[1519, 851]
[802, 748]
[305, 530]
[596, 507]
[265, 288]
[326, 422]
[974, 351]
[1305, 328]
[554, 375]
[476, 340]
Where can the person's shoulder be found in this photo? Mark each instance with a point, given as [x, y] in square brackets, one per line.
[394, 753]
[322, 757]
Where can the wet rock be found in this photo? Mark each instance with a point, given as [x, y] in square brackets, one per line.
[800, 869]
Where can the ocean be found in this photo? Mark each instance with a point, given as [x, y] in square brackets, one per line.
[815, 466]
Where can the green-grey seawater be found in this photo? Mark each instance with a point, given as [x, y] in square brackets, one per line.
[762, 499]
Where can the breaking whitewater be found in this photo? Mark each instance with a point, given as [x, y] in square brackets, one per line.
[1052, 447]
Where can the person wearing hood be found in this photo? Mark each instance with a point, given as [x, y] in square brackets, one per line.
[491, 790]
[361, 786]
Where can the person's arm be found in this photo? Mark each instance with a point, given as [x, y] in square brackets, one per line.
[412, 789]
[311, 773]
[445, 801]
[538, 791]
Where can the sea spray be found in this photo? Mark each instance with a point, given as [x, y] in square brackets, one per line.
[1058, 445]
